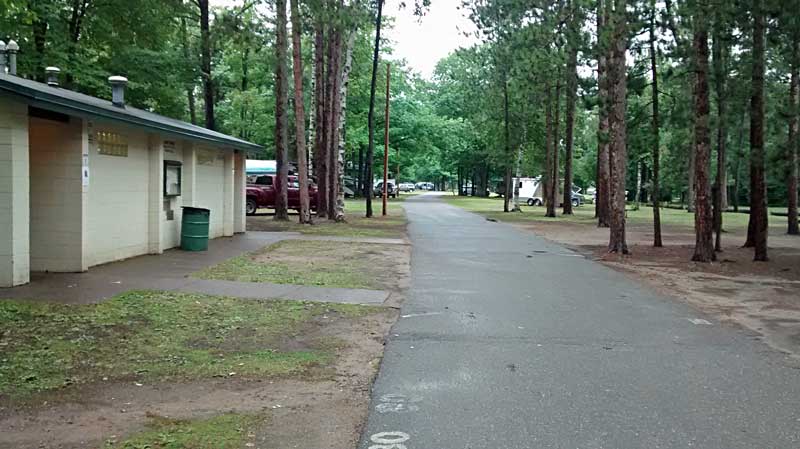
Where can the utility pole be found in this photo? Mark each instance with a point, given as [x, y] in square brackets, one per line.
[386, 145]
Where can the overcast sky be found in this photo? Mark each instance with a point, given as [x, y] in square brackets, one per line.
[420, 41]
[424, 41]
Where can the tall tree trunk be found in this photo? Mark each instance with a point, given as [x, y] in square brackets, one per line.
[509, 189]
[205, 64]
[244, 132]
[572, 92]
[39, 28]
[703, 223]
[517, 174]
[690, 193]
[245, 83]
[360, 177]
[312, 116]
[371, 115]
[79, 9]
[637, 195]
[757, 227]
[655, 130]
[191, 103]
[281, 119]
[321, 138]
[737, 170]
[618, 157]
[187, 56]
[721, 181]
[342, 112]
[791, 150]
[335, 99]
[602, 193]
[548, 144]
[507, 143]
[556, 149]
[299, 113]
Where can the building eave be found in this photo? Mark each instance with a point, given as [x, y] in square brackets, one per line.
[44, 100]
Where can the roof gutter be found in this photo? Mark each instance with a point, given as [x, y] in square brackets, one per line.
[45, 101]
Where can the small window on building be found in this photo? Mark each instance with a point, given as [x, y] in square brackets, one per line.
[264, 180]
[172, 178]
[112, 144]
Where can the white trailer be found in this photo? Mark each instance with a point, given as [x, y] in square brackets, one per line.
[530, 190]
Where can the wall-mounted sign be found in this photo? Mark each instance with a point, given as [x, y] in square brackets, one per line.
[85, 160]
[169, 147]
[172, 178]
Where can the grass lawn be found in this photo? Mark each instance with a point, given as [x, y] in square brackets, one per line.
[229, 431]
[493, 208]
[311, 262]
[391, 226]
[142, 336]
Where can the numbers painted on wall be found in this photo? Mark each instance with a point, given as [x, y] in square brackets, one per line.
[111, 144]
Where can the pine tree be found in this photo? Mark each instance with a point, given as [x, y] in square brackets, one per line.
[703, 222]
[299, 112]
[281, 119]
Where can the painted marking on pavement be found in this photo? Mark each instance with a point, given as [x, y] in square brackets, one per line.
[411, 315]
[699, 321]
[396, 403]
[389, 440]
[395, 407]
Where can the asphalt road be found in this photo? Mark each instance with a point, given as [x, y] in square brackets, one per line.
[509, 341]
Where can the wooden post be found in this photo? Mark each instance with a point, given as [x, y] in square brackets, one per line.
[386, 145]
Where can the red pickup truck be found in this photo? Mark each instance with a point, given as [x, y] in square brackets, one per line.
[262, 191]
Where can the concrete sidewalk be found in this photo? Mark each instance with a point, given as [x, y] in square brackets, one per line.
[172, 271]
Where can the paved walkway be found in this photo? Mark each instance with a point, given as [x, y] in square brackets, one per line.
[509, 341]
[171, 271]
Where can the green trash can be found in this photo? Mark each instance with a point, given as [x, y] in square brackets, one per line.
[194, 228]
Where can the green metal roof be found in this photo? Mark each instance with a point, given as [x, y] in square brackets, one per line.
[65, 101]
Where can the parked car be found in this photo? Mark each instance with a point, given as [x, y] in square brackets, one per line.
[391, 191]
[425, 186]
[349, 186]
[261, 193]
[406, 187]
[590, 195]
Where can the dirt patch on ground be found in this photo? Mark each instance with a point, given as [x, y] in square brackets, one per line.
[319, 262]
[324, 411]
[371, 265]
[763, 297]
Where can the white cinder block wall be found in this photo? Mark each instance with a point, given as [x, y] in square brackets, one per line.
[239, 192]
[14, 194]
[210, 187]
[117, 216]
[56, 195]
